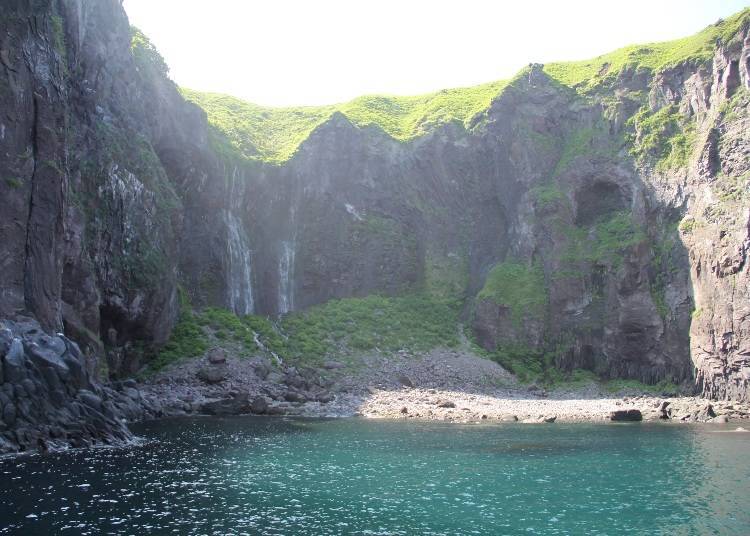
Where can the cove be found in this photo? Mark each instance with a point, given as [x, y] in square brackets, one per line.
[356, 476]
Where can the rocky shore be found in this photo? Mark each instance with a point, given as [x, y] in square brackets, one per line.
[443, 385]
[49, 399]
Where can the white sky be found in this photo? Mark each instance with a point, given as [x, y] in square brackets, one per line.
[292, 52]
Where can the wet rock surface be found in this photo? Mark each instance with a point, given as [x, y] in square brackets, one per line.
[49, 401]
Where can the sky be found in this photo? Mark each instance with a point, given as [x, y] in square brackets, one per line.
[305, 52]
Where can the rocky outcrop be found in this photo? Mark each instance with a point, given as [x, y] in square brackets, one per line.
[116, 191]
[47, 397]
[626, 415]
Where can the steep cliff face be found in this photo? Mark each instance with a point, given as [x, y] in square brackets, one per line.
[597, 223]
[543, 189]
[716, 229]
[103, 165]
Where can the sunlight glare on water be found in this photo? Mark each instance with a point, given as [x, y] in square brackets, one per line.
[350, 476]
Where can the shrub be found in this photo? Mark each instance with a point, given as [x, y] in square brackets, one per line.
[518, 286]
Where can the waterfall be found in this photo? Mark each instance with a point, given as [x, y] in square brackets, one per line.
[239, 276]
[286, 276]
[263, 348]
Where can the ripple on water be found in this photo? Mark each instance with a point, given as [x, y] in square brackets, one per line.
[264, 476]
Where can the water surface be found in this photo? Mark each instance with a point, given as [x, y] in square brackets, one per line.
[272, 476]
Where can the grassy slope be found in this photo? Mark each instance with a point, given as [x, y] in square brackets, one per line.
[655, 57]
[274, 134]
[336, 329]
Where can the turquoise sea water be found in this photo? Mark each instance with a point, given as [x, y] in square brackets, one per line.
[265, 476]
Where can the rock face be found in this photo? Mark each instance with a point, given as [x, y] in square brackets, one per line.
[621, 415]
[115, 190]
[47, 397]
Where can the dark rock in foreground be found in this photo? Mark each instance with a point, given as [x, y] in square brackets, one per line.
[48, 398]
[625, 415]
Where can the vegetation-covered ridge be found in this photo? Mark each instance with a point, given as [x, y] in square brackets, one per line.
[655, 57]
[273, 134]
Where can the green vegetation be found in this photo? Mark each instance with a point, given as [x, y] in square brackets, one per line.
[14, 182]
[58, 38]
[446, 276]
[144, 260]
[274, 134]
[574, 379]
[527, 364]
[145, 53]
[197, 331]
[187, 339]
[578, 143]
[688, 225]
[546, 195]
[665, 137]
[385, 230]
[519, 287]
[737, 106]
[655, 57]
[604, 242]
[732, 189]
[415, 323]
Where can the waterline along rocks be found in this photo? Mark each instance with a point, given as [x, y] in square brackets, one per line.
[587, 215]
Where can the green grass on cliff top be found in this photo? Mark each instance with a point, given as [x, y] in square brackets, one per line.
[655, 57]
[274, 134]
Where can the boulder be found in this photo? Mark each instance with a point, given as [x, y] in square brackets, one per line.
[626, 415]
[6, 338]
[532, 420]
[9, 414]
[216, 356]
[262, 369]
[213, 374]
[405, 381]
[293, 379]
[332, 365]
[90, 399]
[325, 398]
[294, 396]
[236, 405]
[14, 362]
[704, 413]
[540, 419]
[259, 405]
[720, 419]
[445, 404]
[508, 418]
[48, 353]
[275, 377]
[277, 410]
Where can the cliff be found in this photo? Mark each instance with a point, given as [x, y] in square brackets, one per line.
[589, 215]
